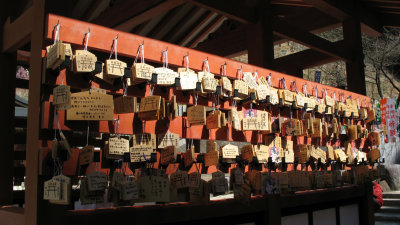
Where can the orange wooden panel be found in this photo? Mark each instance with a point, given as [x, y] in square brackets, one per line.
[73, 31]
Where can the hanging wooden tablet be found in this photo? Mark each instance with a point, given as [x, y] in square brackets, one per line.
[91, 106]
[234, 119]
[374, 138]
[352, 132]
[168, 155]
[118, 146]
[62, 97]
[371, 115]
[150, 108]
[318, 153]
[63, 144]
[363, 113]
[211, 158]
[104, 76]
[188, 79]
[274, 96]
[188, 157]
[250, 120]
[226, 85]
[129, 190]
[97, 181]
[179, 179]
[52, 190]
[165, 76]
[330, 154]
[115, 68]
[262, 92]
[55, 55]
[289, 156]
[194, 179]
[200, 194]
[86, 155]
[141, 72]
[223, 119]
[196, 115]
[65, 188]
[211, 146]
[125, 104]
[145, 139]
[219, 183]
[229, 152]
[210, 84]
[374, 154]
[84, 61]
[213, 120]
[329, 101]
[89, 197]
[299, 98]
[317, 128]
[247, 153]
[243, 89]
[167, 139]
[140, 153]
[262, 152]
[236, 177]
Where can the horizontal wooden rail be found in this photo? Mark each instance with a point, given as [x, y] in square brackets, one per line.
[101, 38]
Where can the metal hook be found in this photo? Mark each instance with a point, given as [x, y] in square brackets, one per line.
[187, 55]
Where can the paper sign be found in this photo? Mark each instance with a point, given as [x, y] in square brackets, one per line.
[167, 139]
[97, 181]
[230, 151]
[179, 179]
[94, 106]
[125, 104]
[140, 153]
[196, 115]
[211, 158]
[118, 146]
[165, 76]
[62, 97]
[52, 190]
[84, 61]
[115, 68]
[86, 155]
[168, 155]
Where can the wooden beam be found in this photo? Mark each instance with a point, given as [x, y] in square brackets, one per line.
[148, 14]
[163, 22]
[344, 10]
[286, 30]
[391, 20]
[298, 3]
[32, 152]
[185, 18]
[355, 67]
[237, 10]
[217, 21]
[91, 9]
[17, 34]
[198, 25]
[260, 39]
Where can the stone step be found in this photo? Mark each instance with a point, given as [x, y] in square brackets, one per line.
[391, 202]
[386, 223]
[392, 194]
[389, 209]
[395, 217]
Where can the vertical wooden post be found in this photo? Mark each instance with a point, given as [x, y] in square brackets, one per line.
[354, 68]
[260, 43]
[32, 151]
[272, 215]
[8, 63]
[366, 206]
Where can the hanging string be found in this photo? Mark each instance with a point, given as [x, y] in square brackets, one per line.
[255, 77]
[57, 32]
[305, 92]
[240, 73]
[165, 58]
[269, 80]
[358, 103]
[294, 86]
[87, 134]
[125, 88]
[334, 96]
[186, 58]
[114, 47]
[117, 127]
[140, 52]
[283, 82]
[195, 96]
[206, 66]
[223, 69]
[87, 36]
